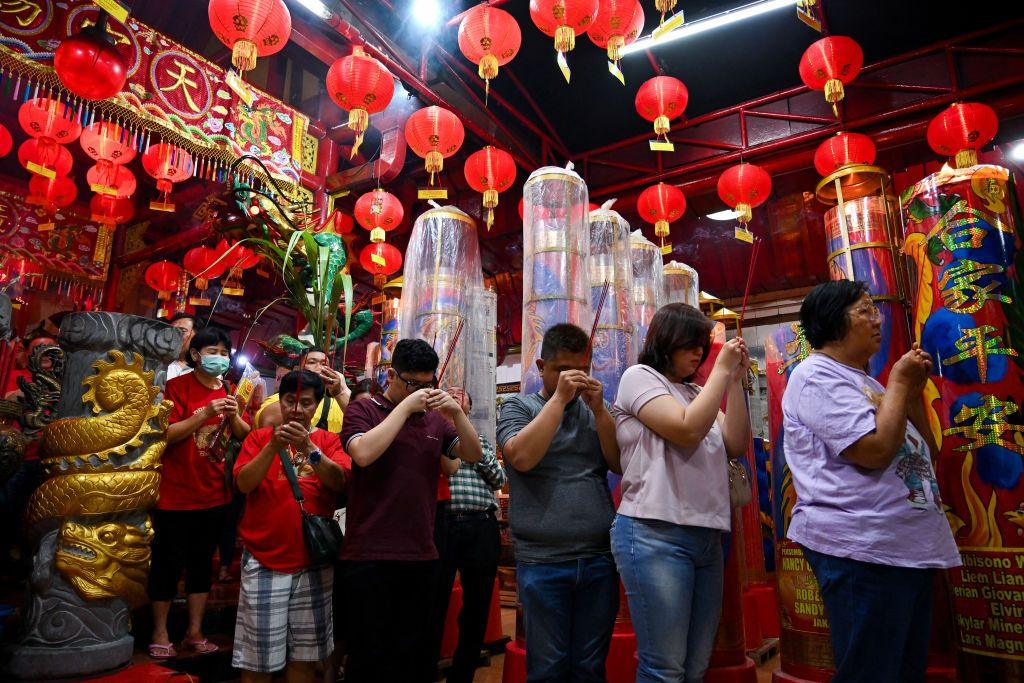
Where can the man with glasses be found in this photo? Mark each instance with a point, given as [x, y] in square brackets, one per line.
[390, 565]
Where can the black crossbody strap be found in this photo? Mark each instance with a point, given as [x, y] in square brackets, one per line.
[289, 471]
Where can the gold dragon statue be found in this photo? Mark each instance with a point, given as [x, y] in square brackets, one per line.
[88, 478]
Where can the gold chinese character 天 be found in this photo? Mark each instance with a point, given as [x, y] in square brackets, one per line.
[976, 343]
[987, 425]
[183, 82]
[961, 292]
[25, 11]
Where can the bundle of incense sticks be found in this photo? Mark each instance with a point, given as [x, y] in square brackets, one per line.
[754, 251]
[597, 319]
[451, 350]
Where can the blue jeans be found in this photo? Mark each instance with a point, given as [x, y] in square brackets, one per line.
[673, 576]
[570, 610]
[880, 618]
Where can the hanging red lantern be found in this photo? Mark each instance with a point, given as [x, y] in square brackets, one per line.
[618, 23]
[46, 118]
[162, 277]
[563, 20]
[251, 28]
[362, 86]
[89, 64]
[204, 264]
[51, 193]
[239, 258]
[490, 171]
[108, 210]
[843, 149]
[490, 38]
[110, 179]
[168, 164]
[661, 99]
[961, 130]
[744, 186]
[381, 260]
[829, 64]
[106, 141]
[661, 204]
[434, 133]
[5, 141]
[379, 211]
[44, 157]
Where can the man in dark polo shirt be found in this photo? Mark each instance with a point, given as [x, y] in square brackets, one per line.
[558, 446]
[389, 560]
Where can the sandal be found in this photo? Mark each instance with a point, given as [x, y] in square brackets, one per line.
[157, 651]
[200, 647]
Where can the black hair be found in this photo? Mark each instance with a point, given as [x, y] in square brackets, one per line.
[208, 336]
[291, 382]
[563, 337]
[182, 316]
[675, 326]
[823, 312]
[364, 386]
[414, 355]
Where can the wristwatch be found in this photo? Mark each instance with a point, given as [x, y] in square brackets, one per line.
[314, 456]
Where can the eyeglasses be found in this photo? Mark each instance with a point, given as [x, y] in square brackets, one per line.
[869, 311]
[413, 385]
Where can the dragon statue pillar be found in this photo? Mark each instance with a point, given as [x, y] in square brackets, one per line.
[102, 456]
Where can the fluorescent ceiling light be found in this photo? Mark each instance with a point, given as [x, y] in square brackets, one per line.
[426, 13]
[726, 215]
[316, 7]
[1018, 152]
[712, 22]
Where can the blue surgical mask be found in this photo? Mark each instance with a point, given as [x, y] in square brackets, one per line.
[214, 365]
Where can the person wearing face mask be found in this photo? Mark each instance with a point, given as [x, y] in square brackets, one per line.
[194, 499]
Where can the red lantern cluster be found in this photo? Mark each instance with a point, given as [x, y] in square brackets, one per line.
[490, 38]
[843, 149]
[490, 171]
[251, 28]
[661, 204]
[89, 64]
[829, 64]
[618, 23]
[661, 99]
[744, 186]
[162, 277]
[168, 164]
[381, 260]
[961, 130]
[51, 125]
[379, 211]
[362, 86]
[434, 133]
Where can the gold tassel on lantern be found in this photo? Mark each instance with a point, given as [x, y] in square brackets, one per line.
[565, 39]
[490, 201]
[358, 120]
[434, 163]
[744, 213]
[615, 45]
[661, 231]
[664, 6]
[661, 126]
[243, 55]
[966, 158]
[377, 235]
[833, 93]
[487, 69]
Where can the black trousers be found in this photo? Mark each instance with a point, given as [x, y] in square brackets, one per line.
[471, 549]
[386, 618]
[183, 540]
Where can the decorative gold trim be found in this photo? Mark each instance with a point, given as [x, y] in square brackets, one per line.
[861, 245]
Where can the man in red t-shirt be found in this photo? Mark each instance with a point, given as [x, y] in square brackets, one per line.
[284, 605]
[390, 563]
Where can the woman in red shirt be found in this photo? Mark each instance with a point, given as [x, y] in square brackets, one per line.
[194, 497]
[284, 606]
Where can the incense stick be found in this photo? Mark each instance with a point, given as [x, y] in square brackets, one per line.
[451, 350]
[597, 319]
[754, 251]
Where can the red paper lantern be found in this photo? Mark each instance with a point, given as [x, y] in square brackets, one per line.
[110, 179]
[105, 141]
[661, 99]
[618, 23]
[251, 28]
[379, 211]
[829, 64]
[381, 260]
[489, 37]
[51, 193]
[162, 277]
[661, 204]
[89, 64]
[434, 133]
[743, 187]
[239, 259]
[843, 149]
[204, 264]
[490, 171]
[5, 141]
[563, 19]
[46, 118]
[168, 164]
[362, 86]
[961, 130]
[46, 154]
[108, 210]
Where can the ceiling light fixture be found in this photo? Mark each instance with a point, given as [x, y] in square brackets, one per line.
[316, 7]
[426, 13]
[701, 25]
[1018, 151]
[727, 215]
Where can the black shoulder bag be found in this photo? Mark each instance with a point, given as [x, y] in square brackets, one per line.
[322, 535]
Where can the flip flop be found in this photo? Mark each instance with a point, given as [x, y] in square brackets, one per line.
[200, 647]
[157, 651]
